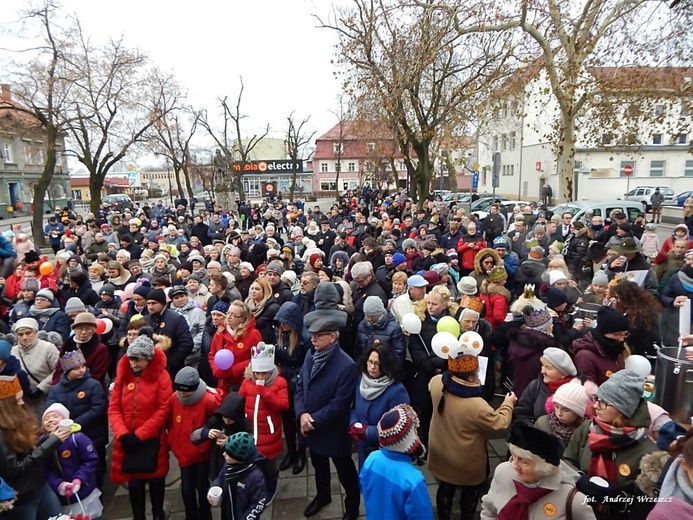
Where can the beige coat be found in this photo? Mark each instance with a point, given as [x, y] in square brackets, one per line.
[457, 438]
[40, 360]
[549, 507]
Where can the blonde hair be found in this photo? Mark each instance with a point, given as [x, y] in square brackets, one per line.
[266, 289]
[400, 276]
[248, 315]
[444, 293]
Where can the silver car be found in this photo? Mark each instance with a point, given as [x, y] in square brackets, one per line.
[643, 195]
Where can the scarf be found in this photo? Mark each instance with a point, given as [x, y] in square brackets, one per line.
[458, 388]
[560, 430]
[378, 323]
[686, 278]
[235, 472]
[396, 294]
[42, 314]
[553, 386]
[603, 440]
[255, 307]
[517, 508]
[611, 347]
[321, 357]
[201, 272]
[371, 389]
[195, 398]
[676, 482]
[272, 377]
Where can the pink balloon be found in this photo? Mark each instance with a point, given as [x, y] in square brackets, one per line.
[223, 359]
[128, 291]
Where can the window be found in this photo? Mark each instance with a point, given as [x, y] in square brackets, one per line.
[682, 138]
[370, 147]
[351, 166]
[684, 111]
[688, 170]
[656, 138]
[659, 110]
[9, 158]
[513, 140]
[657, 168]
[577, 166]
[27, 154]
[607, 138]
[328, 185]
[338, 148]
[77, 194]
[367, 166]
[512, 169]
[623, 165]
[323, 167]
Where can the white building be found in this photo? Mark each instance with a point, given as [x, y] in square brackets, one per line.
[657, 145]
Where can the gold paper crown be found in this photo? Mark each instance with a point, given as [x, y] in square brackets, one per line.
[9, 386]
[463, 364]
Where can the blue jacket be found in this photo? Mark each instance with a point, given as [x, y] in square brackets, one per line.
[387, 333]
[74, 458]
[20, 310]
[54, 232]
[86, 400]
[247, 495]
[290, 363]
[449, 241]
[14, 367]
[511, 262]
[393, 488]
[369, 413]
[327, 398]
[59, 322]
[6, 248]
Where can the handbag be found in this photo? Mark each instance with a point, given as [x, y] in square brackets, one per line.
[143, 458]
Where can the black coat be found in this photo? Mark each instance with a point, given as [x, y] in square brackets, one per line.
[175, 326]
[23, 472]
[264, 322]
[360, 295]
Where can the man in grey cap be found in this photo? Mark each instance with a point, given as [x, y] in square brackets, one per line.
[280, 291]
[324, 391]
[404, 304]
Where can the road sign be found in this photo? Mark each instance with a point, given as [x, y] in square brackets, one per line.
[628, 170]
[475, 180]
[132, 175]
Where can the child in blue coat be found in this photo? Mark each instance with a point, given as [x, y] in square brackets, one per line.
[86, 402]
[71, 470]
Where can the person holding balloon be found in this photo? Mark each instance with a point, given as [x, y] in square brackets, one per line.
[86, 339]
[229, 354]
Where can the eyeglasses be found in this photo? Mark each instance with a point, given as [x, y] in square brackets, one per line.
[315, 335]
[237, 316]
[600, 405]
[373, 363]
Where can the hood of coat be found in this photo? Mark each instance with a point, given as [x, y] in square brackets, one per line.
[587, 342]
[232, 406]
[530, 341]
[76, 383]
[482, 253]
[290, 313]
[154, 369]
[488, 287]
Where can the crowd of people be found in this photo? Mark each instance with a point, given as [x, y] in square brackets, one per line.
[248, 340]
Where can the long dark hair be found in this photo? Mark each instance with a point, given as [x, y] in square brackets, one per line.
[389, 365]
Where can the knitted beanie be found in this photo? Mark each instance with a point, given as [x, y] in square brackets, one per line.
[572, 396]
[623, 390]
[610, 320]
[275, 267]
[46, 293]
[5, 350]
[600, 278]
[108, 289]
[74, 304]
[373, 306]
[538, 319]
[440, 268]
[142, 290]
[158, 295]
[72, 359]
[58, 408]
[467, 285]
[398, 258]
[556, 275]
[221, 306]
[397, 431]
[498, 274]
[407, 243]
[240, 446]
[30, 284]
[141, 348]
[26, 323]
[555, 297]
[560, 360]
[187, 380]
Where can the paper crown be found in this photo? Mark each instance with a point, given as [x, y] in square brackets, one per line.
[472, 302]
[9, 386]
[262, 357]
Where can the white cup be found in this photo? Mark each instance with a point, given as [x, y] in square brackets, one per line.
[215, 493]
[594, 324]
[578, 322]
[66, 424]
[509, 317]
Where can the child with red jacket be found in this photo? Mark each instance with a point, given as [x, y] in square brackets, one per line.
[266, 398]
[191, 404]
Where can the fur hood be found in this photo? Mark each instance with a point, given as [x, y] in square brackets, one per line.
[160, 342]
[420, 309]
[483, 252]
[488, 287]
[651, 466]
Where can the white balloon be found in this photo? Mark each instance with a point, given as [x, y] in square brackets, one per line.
[411, 323]
[109, 325]
[445, 345]
[471, 343]
[639, 364]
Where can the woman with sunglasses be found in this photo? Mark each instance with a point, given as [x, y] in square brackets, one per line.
[600, 352]
[609, 448]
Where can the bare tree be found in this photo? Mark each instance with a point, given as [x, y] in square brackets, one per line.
[296, 141]
[344, 114]
[203, 172]
[229, 139]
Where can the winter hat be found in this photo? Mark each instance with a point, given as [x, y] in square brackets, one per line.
[623, 390]
[246, 265]
[142, 290]
[108, 289]
[451, 253]
[398, 258]
[397, 431]
[158, 295]
[556, 275]
[600, 278]
[314, 258]
[542, 444]
[72, 359]
[212, 264]
[500, 243]
[58, 408]
[441, 269]
[463, 364]
[557, 246]
[537, 319]
[276, 267]
[467, 285]
[46, 293]
[31, 256]
[262, 357]
[74, 304]
[26, 323]
[668, 433]
[221, 306]
[555, 297]
[416, 281]
[30, 284]
[610, 320]
[187, 380]
[572, 396]
[497, 274]
[373, 306]
[141, 348]
[84, 318]
[5, 350]
[9, 386]
[240, 446]
[407, 243]
[432, 277]
[560, 360]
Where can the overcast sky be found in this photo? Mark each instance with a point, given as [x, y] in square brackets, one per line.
[274, 44]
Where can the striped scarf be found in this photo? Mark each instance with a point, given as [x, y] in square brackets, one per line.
[321, 357]
[603, 440]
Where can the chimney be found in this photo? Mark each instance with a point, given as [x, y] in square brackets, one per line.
[6, 93]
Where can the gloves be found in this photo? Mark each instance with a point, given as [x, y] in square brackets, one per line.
[63, 489]
[69, 490]
[76, 485]
[35, 393]
[591, 489]
[129, 440]
[357, 431]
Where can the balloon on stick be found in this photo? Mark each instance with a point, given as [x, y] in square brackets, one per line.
[223, 359]
[445, 345]
[411, 323]
[639, 364]
[109, 325]
[46, 268]
[100, 326]
[448, 324]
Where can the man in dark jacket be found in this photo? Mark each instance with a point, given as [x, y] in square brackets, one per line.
[531, 269]
[168, 323]
[280, 291]
[342, 244]
[325, 237]
[366, 285]
[324, 392]
[304, 299]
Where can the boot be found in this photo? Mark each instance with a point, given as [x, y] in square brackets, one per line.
[300, 462]
[288, 461]
[138, 497]
[157, 489]
[444, 499]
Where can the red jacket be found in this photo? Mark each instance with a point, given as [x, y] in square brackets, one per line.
[240, 347]
[496, 299]
[183, 420]
[271, 402]
[139, 405]
[467, 252]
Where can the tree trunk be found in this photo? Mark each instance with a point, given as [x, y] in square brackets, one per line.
[452, 174]
[95, 186]
[566, 160]
[241, 193]
[179, 184]
[41, 187]
[424, 170]
[292, 186]
[188, 184]
[336, 182]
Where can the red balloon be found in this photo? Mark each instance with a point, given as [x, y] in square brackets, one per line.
[124, 307]
[46, 268]
[100, 326]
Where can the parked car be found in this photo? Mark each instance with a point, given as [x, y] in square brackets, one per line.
[681, 197]
[119, 202]
[484, 202]
[602, 208]
[643, 195]
[508, 204]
